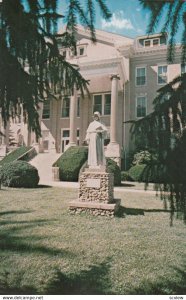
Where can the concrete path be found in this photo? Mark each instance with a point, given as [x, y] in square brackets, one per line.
[43, 162]
[75, 185]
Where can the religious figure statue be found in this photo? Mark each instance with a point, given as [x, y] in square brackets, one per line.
[96, 133]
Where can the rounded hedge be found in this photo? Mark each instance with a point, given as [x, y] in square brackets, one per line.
[71, 162]
[125, 176]
[112, 167]
[148, 173]
[19, 174]
[136, 172]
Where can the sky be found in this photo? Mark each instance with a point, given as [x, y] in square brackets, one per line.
[128, 18]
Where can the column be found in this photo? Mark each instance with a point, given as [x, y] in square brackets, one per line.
[113, 148]
[114, 104]
[73, 110]
[7, 133]
[40, 148]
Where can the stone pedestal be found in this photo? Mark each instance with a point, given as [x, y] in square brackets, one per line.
[96, 193]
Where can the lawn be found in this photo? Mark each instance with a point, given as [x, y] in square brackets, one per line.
[44, 249]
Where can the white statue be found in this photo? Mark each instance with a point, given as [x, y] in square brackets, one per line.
[96, 133]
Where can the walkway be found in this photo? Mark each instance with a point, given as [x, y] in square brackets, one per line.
[43, 162]
[131, 187]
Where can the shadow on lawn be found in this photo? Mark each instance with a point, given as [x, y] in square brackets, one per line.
[9, 212]
[136, 211]
[94, 281]
[87, 282]
[11, 241]
[163, 286]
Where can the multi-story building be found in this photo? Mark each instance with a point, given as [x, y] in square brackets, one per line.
[124, 75]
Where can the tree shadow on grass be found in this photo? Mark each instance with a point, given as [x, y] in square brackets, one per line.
[10, 242]
[123, 211]
[164, 286]
[94, 281]
[9, 212]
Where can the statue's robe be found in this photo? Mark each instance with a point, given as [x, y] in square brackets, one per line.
[95, 139]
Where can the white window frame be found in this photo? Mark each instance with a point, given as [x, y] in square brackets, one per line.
[137, 96]
[68, 137]
[84, 46]
[141, 67]
[102, 103]
[158, 42]
[61, 117]
[151, 42]
[162, 65]
[148, 40]
[64, 138]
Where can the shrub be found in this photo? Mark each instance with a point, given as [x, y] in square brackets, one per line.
[125, 176]
[71, 162]
[136, 172]
[113, 168]
[143, 157]
[19, 174]
[15, 155]
[155, 173]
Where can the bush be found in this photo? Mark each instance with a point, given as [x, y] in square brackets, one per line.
[113, 168]
[71, 162]
[19, 174]
[125, 176]
[154, 173]
[15, 155]
[142, 157]
[136, 172]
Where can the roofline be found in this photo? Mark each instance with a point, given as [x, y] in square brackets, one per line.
[152, 35]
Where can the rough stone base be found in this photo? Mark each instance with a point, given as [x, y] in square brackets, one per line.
[96, 185]
[96, 209]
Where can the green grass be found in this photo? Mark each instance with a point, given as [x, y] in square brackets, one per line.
[46, 250]
[15, 154]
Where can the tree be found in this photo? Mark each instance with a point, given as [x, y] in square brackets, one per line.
[31, 65]
[174, 13]
[164, 130]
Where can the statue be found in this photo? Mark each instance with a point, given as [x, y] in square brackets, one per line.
[96, 133]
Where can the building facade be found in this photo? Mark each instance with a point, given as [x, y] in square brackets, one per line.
[124, 75]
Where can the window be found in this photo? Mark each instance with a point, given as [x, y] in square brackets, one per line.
[140, 76]
[65, 107]
[66, 133]
[162, 74]
[151, 42]
[183, 68]
[107, 104]
[78, 107]
[81, 51]
[156, 42]
[102, 103]
[46, 109]
[147, 43]
[97, 103]
[141, 106]
[65, 139]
